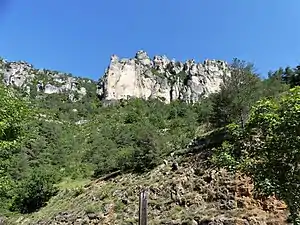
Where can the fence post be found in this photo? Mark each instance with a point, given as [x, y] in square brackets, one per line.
[143, 208]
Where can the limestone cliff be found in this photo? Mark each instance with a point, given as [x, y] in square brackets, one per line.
[41, 81]
[162, 78]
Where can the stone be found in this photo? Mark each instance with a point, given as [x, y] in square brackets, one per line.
[2, 221]
[50, 89]
[24, 76]
[92, 216]
[160, 78]
[194, 222]
[174, 166]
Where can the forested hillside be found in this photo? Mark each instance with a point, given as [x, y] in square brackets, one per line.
[49, 141]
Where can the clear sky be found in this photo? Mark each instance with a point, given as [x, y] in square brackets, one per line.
[78, 36]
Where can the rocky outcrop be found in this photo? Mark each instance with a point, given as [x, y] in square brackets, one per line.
[161, 78]
[139, 77]
[24, 76]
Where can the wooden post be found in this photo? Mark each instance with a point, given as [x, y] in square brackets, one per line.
[143, 208]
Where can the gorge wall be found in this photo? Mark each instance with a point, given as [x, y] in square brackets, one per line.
[138, 77]
[160, 77]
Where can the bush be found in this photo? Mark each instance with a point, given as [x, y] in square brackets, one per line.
[147, 152]
[268, 149]
[34, 191]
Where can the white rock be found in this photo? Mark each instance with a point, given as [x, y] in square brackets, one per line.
[51, 89]
[23, 75]
[162, 78]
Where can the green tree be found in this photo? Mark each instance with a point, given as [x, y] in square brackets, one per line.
[13, 115]
[238, 92]
[268, 149]
[292, 76]
[147, 149]
[274, 84]
[34, 191]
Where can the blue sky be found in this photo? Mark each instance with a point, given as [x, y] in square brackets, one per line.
[79, 36]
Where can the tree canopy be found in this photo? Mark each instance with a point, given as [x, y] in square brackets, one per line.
[268, 148]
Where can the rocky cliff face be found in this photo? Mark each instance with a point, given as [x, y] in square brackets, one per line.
[37, 81]
[139, 77]
[162, 78]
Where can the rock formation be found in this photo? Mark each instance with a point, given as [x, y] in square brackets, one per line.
[139, 77]
[25, 76]
[161, 78]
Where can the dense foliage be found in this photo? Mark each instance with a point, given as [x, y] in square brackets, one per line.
[14, 119]
[237, 94]
[64, 139]
[240, 91]
[268, 149]
[264, 143]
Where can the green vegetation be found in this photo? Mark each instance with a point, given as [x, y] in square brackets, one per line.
[268, 148]
[131, 136]
[239, 93]
[48, 141]
[136, 135]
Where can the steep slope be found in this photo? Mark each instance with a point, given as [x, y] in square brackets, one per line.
[192, 192]
[168, 80]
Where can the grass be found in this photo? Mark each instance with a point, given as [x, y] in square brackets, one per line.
[69, 183]
[91, 209]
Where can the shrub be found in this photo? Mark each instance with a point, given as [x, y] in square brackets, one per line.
[34, 191]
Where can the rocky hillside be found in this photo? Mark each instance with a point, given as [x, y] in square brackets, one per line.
[160, 77]
[57, 167]
[185, 189]
[35, 82]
